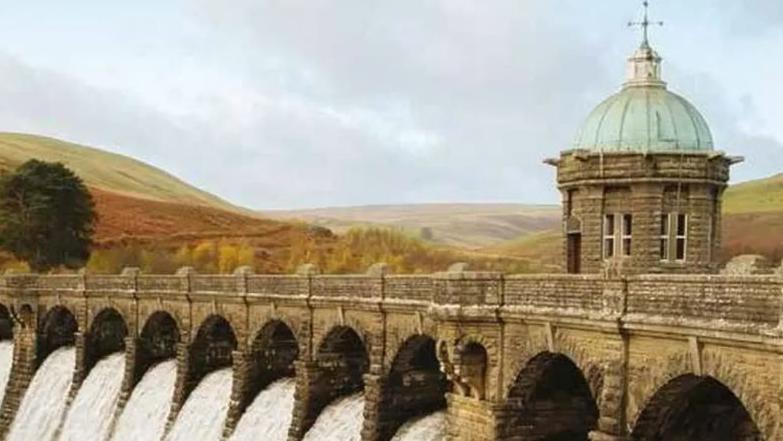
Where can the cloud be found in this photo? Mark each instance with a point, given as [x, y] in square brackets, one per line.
[303, 103]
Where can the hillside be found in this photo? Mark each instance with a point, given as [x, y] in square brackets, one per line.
[469, 226]
[757, 196]
[753, 218]
[105, 170]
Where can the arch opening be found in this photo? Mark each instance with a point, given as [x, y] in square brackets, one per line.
[211, 350]
[57, 328]
[157, 342]
[106, 336]
[550, 400]
[6, 324]
[341, 360]
[472, 366]
[695, 408]
[343, 357]
[415, 386]
[273, 352]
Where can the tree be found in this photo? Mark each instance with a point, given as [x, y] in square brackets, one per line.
[47, 216]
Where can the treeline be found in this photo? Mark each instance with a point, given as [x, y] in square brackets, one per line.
[352, 252]
[358, 248]
[207, 257]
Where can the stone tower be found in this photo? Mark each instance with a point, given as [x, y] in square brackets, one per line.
[642, 185]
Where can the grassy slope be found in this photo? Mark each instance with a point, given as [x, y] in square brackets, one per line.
[105, 170]
[464, 225]
[753, 218]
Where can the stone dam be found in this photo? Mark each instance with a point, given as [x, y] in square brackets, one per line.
[495, 357]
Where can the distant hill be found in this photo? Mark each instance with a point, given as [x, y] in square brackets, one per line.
[469, 226]
[757, 196]
[753, 218]
[106, 171]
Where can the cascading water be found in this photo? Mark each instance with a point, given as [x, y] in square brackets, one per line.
[429, 428]
[144, 416]
[203, 415]
[269, 416]
[43, 405]
[340, 421]
[91, 413]
[6, 361]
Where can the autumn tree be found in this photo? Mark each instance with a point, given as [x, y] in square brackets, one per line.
[47, 216]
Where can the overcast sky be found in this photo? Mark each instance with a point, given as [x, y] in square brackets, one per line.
[304, 103]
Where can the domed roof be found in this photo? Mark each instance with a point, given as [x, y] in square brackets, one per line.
[644, 116]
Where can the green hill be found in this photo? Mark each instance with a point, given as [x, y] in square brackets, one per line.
[758, 196]
[108, 171]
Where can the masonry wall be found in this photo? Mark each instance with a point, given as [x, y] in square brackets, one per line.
[627, 336]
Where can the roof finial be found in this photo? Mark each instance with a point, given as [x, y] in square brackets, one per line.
[645, 24]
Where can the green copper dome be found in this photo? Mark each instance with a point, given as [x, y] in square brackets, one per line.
[644, 116]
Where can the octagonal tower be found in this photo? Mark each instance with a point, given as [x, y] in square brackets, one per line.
[642, 185]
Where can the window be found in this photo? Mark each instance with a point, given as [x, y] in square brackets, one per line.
[617, 234]
[682, 235]
[626, 234]
[664, 237]
[674, 231]
[609, 233]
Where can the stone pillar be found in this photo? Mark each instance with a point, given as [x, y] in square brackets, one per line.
[646, 206]
[611, 420]
[22, 370]
[129, 378]
[80, 370]
[470, 419]
[240, 390]
[372, 429]
[306, 402]
[180, 384]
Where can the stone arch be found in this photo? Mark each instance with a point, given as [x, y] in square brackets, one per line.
[729, 372]
[106, 335]
[157, 342]
[471, 369]
[414, 386]
[56, 328]
[6, 324]
[349, 323]
[340, 360]
[696, 408]
[212, 349]
[272, 354]
[589, 364]
[550, 399]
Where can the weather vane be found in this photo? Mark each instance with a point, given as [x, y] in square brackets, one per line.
[645, 23]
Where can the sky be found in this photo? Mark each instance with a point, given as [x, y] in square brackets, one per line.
[313, 103]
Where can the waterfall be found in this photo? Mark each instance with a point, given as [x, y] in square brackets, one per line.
[145, 414]
[429, 428]
[203, 415]
[340, 421]
[6, 361]
[269, 416]
[43, 405]
[91, 413]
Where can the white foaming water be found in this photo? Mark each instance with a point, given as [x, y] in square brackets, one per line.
[6, 361]
[340, 421]
[91, 413]
[429, 428]
[269, 416]
[144, 416]
[43, 405]
[203, 415]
